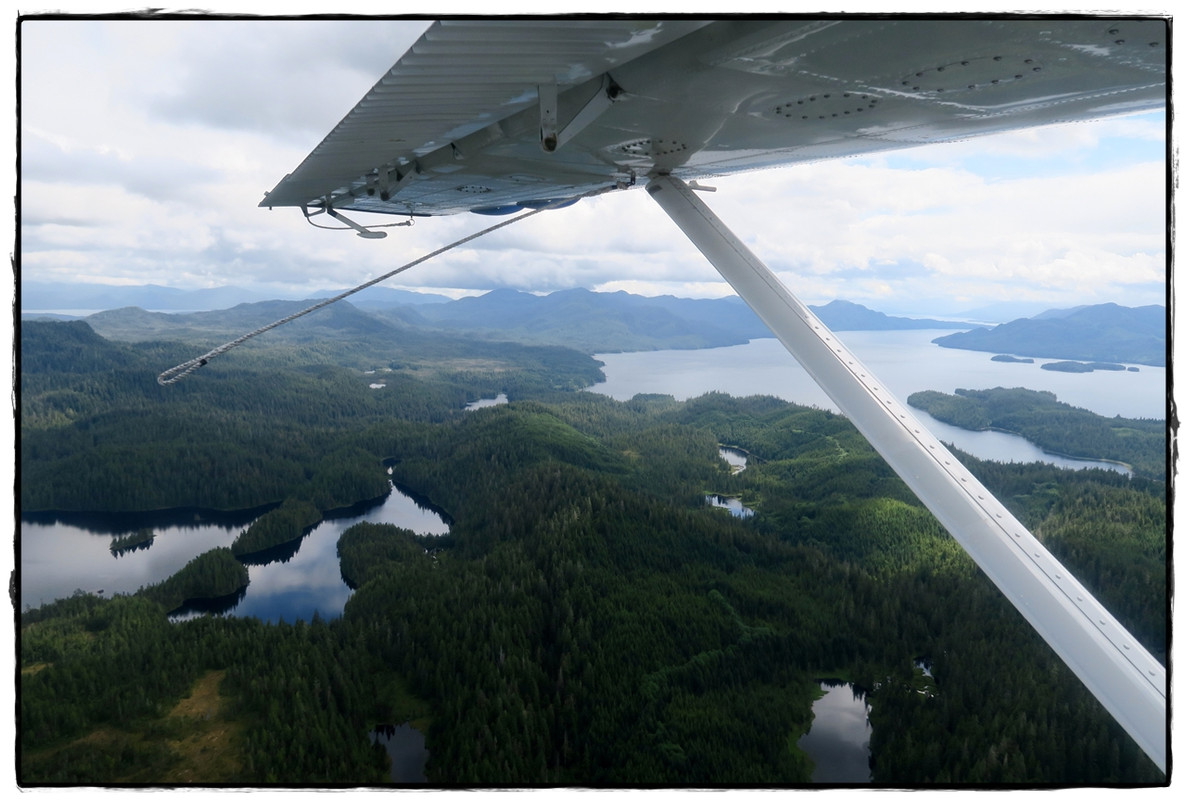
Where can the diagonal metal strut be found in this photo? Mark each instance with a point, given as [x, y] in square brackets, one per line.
[1123, 676]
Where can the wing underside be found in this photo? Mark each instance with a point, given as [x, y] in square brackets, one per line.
[491, 114]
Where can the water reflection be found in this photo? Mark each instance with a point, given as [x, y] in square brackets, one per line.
[731, 504]
[487, 402]
[839, 740]
[405, 747]
[734, 457]
[62, 554]
[306, 579]
[303, 578]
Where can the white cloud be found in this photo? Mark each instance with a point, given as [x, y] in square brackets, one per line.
[148, 145]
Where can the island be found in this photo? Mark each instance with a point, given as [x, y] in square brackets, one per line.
[1056, 427]
[1106, 333]
[1080, 366]
[138, 540]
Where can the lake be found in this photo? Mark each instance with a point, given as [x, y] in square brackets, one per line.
[59, 556]
[406, 752]
[487, 402]
[906, 362]
[839, 740]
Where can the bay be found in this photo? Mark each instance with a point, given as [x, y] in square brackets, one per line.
[906, 362]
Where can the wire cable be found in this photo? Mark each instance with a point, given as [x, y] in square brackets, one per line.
[174, 374]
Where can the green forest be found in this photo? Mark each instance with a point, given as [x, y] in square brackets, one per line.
[1056, 427]
[588, 620]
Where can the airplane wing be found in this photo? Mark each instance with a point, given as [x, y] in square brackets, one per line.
[499, 115]
[490, 114]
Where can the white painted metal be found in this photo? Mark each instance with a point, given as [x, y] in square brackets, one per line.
[702, 98]
[547, 93]
[1126, 679]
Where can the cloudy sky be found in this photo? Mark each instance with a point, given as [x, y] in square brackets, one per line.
[146, 147]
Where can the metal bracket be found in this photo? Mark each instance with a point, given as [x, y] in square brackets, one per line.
[548, 135]
[327, 208]
[386, 186]
[551, 135]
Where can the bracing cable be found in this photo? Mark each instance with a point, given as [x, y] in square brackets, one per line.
[174, 374]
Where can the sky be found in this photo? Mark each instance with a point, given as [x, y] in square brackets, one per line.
[146, 147]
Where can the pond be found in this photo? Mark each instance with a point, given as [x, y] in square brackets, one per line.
[734, 457]
[839, 740]
[730, 504]
[487, 402]
[406, 752]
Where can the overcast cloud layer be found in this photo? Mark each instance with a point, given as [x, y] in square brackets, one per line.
[146, 147]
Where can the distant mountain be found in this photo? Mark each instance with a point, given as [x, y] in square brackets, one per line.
[1003, 311]
[841, 315]
[385, 297]
[618, 321]
[1107, 333]
[89, 297]
[592, 322]
[595, 321]
[69, 347]
[39, 296]
[340, 320]
[1058, 313]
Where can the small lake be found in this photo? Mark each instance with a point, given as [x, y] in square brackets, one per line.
[839, 740]
[487, 402]
[734, 457]
[406, 751]
[907, 362]
[71, 552]
[730, 504]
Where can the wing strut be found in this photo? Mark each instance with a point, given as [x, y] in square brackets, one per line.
[1126, 679]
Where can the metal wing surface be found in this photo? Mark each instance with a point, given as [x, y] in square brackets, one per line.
[488, 114]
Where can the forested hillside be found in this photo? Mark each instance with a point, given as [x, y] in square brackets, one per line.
[1106, 333]
[588, 621]
[1056, 427]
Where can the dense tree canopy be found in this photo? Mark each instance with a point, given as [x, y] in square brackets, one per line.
[588, 621]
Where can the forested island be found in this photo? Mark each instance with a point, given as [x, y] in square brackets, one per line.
[588, 620]
[1081, 366]
[1103, 333]
[1054, 426]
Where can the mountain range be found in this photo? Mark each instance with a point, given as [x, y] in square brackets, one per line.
[1106, 332]
[577, 318]
[618, 321]
[601, 322]
[65, 299]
